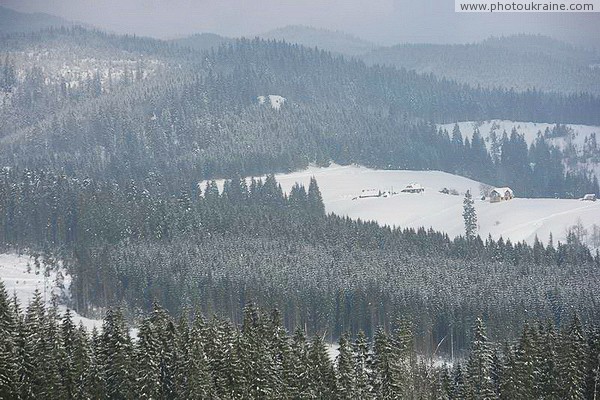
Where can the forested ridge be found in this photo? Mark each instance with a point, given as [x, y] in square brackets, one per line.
[182, 115]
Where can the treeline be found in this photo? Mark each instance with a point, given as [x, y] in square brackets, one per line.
[217, 250]
[537, 170]
[46, 356]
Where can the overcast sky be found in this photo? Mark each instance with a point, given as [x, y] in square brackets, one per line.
[381, 21]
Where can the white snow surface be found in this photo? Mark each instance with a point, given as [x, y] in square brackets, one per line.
[20, 277]
[518, 219]
[275, 100]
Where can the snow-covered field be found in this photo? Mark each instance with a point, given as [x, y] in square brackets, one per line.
[518, 219]
[21, 277]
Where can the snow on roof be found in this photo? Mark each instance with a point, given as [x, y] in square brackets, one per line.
[502, 190]
[369, 193]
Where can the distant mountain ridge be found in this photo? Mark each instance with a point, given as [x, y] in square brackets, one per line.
[334, 41]
[520, 62]
[202, 41]
[12, 21]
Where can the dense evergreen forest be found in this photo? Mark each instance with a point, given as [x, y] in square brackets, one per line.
[216, 251]
[45, 356]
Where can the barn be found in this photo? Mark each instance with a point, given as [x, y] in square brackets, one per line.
[413, 188]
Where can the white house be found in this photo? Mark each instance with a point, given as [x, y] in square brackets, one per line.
[501, 194]
[369, 193]
[413, 188]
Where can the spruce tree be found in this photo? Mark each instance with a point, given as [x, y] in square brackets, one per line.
[345, 369]
[314, 198]
[8, 351]
[196, 374]
[362, 363]
[32, 359]
[479, 365]
[469, 216]
[387, 373]
[147, 366]
[299, 380]
[572, 361]
[117, 357]
[322, 384]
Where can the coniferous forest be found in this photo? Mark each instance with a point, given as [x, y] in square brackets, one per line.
[46, 356]
[237, 291]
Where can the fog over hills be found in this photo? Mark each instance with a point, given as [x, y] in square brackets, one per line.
[337, 42]
[12, 21]
[387, 22]
[520, 61]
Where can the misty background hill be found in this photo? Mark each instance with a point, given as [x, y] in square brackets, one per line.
[147, 106]
[521, 62]
[12, 21]
[334, 41]
[203, 41]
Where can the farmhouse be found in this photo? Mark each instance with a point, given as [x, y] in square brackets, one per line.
[365, 193]
[500, 194]
[413, 188]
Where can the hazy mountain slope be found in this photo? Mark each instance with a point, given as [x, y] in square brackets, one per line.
[337, 42]
[198, 115]
[520, 62]
[12, 21]
[202, 41]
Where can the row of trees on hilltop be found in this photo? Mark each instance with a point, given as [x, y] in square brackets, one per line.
[537, 170]
[46, 356]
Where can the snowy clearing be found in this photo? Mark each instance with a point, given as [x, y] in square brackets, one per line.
[21, 277]
[275, 100]
[518, 219]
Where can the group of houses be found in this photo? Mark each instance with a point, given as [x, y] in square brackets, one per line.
[500, 194]
[496, 194]
[411, 188]
[505, 193]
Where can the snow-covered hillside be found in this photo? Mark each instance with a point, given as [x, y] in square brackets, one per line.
[21, 277]
[518, 219]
